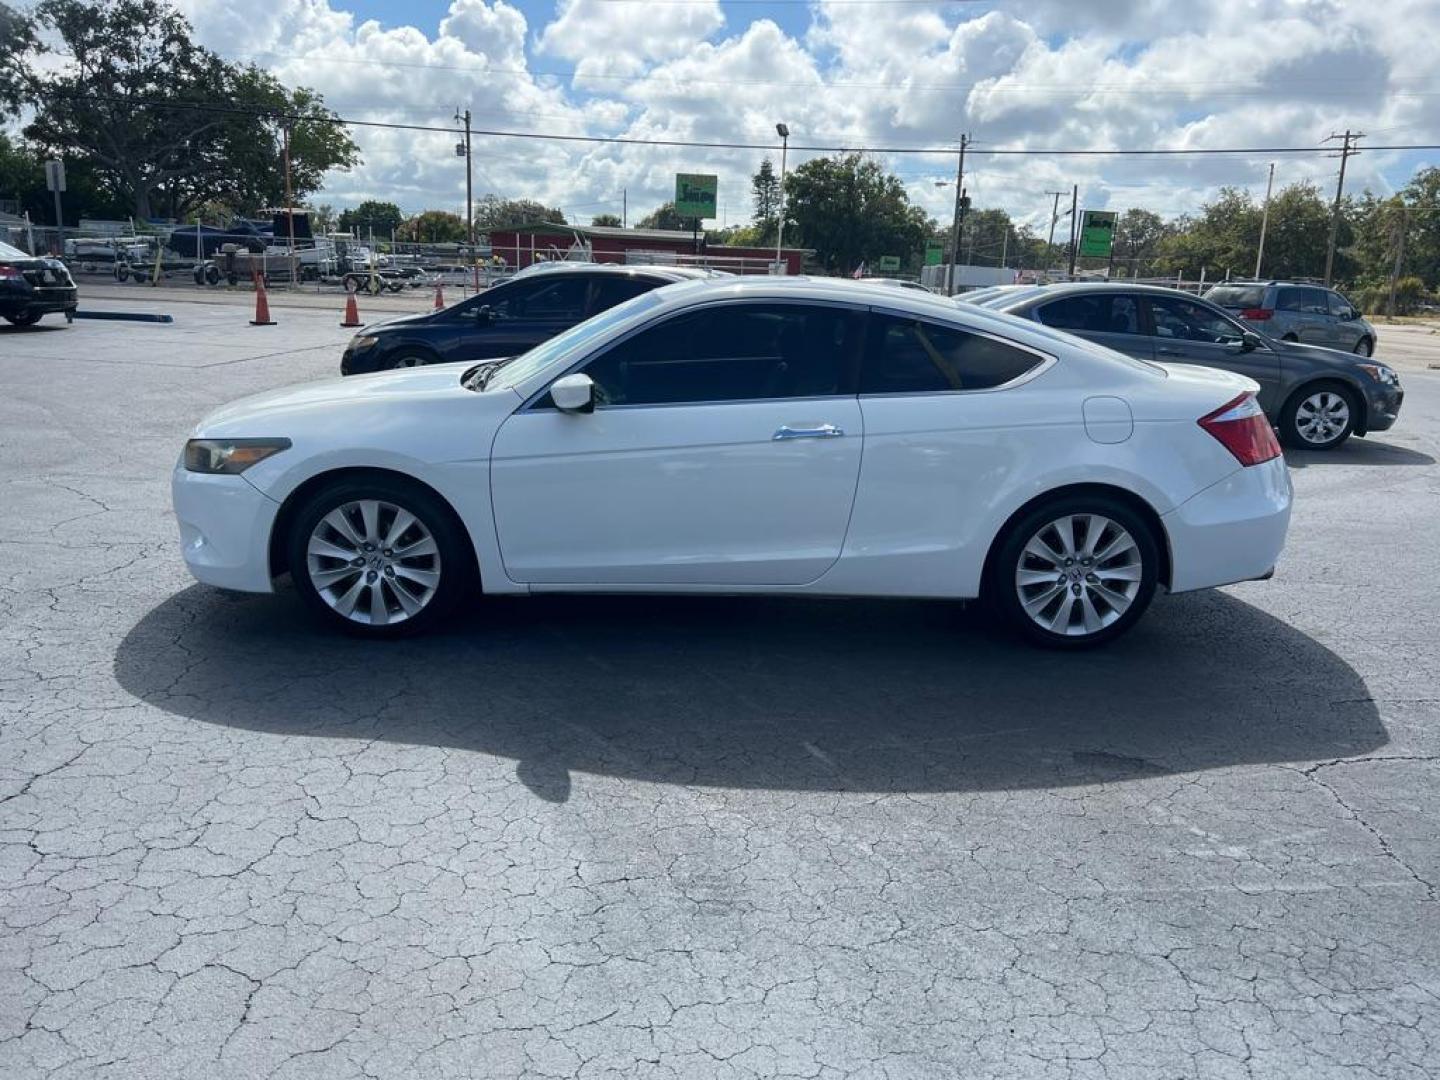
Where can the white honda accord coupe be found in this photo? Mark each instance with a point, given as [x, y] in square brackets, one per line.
[766, 435]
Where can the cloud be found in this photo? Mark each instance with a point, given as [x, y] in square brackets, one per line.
[1042, 73]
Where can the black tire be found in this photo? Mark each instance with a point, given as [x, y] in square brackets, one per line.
[453, 559]
[1290, 418]
[1085, 594]
[1364, 347]
[122, 272]
[25, 318]
[212, 275]
[199, 275]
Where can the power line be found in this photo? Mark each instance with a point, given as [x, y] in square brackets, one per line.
[622, 140]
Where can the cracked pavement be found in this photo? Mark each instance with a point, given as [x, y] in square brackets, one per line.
[692, 838]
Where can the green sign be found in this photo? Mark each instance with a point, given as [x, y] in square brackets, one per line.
[890, 263]
[695, 195]
[934, 253]
[1097, 234]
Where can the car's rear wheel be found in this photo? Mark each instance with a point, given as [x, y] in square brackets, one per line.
[25, 318]
[378, 557]
[1364, 347]
[1318, 417]
[1076, 571]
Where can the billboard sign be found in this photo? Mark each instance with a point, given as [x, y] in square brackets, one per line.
[695, 195]
[1097, 234]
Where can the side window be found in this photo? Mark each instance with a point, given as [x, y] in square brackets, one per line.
[1339, 306]
[908, 356]
[1290, 300]
[1315, 302]
[558, 299]
[1182, 320]
[616, 289]
[733, 352]
[1096, 313]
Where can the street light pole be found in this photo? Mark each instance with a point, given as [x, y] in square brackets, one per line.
[470, 203]
[784, 132]
[959, 217]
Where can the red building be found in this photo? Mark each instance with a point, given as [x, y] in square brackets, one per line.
[521, 246]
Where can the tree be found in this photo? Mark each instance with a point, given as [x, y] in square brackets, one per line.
[167, 123]
[22, 178]
[371, 216]
[17, 41]
[665, 217]
[851, 211]
[322, 218]
[1138, 233]
[1422, 231]
[493, 212]
[433, 227]
[765, 187]
[609, 220]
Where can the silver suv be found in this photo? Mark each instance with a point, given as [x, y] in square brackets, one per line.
[1309, 314]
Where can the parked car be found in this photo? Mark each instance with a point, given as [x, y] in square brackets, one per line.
[506, 319]
[1309, 314]
[758, 435]
[1316, 397]
[32, 287]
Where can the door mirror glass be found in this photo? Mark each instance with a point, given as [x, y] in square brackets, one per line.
[573, 394]
[1249, 342]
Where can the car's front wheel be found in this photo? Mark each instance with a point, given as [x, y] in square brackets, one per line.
[378, 556]
[1318, 417]
[1075, 571]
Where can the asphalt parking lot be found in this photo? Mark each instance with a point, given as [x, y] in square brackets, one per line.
[694, 838]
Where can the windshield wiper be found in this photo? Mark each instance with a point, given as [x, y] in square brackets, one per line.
[480, 375]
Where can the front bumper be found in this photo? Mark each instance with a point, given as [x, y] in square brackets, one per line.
[361, 361]
[1382, 407]
[225, 525]
[1232, 531]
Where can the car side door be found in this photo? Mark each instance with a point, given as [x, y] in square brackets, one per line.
[511, 318]
[1114, 320]
[1194, 332]
[723, 449]
[1344, 318]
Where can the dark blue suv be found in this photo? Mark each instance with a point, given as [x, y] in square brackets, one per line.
[507, 319]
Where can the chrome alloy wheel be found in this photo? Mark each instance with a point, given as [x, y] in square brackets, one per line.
[373, 562]
[1322, 417]
[1078, 574]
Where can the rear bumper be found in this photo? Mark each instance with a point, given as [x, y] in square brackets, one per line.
[1232, 531]
[45, 301]
[225, 528]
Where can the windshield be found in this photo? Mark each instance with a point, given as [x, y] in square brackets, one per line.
[537, 359]
[8, 252]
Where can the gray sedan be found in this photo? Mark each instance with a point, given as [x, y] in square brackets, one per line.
[1316, 397]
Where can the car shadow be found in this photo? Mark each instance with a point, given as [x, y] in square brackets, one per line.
[1366, 451]
[33, 328]
[810, 695]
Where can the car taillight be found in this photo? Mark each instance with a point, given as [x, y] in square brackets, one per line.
[9, 273]
[1257, 314]
[1241, 427]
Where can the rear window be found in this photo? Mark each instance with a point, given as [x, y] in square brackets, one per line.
[1237, 296]
[8, 252]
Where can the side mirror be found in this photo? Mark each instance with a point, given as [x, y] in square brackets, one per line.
[1249, 341]
[573, 394]
[484, 314]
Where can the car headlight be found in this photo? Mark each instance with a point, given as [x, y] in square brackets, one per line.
[229, 456]
[362, 341]
[1381, 374]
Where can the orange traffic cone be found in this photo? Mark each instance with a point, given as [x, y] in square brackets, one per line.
[352, 311]
[262, 305]
[439, 297]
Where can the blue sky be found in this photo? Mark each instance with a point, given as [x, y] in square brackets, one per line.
[1042, 74]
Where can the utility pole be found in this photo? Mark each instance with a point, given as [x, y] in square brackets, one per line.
[289, 212]
[1054, 217]
[1399, 256]
[784, 132]
[1264, 220]
[624, 208]
[1345, 153]
[1074, 215]
[959, 217]
[470, 202]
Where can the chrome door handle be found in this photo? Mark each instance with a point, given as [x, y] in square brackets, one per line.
[823, 431]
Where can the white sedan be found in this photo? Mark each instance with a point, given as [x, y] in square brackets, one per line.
[759, 435]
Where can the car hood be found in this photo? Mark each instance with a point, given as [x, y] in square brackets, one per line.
[1318, 354]
[398, 322]
[268, 413]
